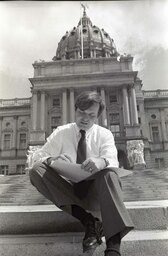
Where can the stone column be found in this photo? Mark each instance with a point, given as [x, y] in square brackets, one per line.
[163, 125]
[134, 107]
[14, 141]
[1, 119]
[64, 106]
[93, 53]
[72, 105]
[42, 124]
[104, 114]
[78, 54]
[126, 112]
[34, 114]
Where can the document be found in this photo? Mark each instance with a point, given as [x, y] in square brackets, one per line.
[75, 173]
[71, 171]
[121, 171]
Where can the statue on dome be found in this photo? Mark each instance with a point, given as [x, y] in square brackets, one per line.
[84, 6]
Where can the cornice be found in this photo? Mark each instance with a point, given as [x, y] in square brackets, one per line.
[84, 75]
[73, 61]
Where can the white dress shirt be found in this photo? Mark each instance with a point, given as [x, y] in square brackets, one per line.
[99, 142]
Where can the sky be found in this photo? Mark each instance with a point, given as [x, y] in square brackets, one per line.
[31, 30]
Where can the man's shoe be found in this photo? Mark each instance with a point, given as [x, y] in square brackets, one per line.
[112, 252]
[93, 234]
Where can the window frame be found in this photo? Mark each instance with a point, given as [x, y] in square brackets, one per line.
[159, 162]
[20, 169]
[56, 98]
[155, 134]
[114, 96]
[21, 144]
[4, 169]
[54, 125]
[115, 132]
[112, 119]
[7, 146]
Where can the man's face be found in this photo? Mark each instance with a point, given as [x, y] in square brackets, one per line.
[86, 118]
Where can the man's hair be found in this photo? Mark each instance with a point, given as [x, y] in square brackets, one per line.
[87, 98]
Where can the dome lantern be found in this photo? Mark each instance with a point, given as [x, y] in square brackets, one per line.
[92, 43]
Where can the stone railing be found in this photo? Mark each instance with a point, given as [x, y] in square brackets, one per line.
[14, 102]
[155, 94]
[31, 158]
[76, 66]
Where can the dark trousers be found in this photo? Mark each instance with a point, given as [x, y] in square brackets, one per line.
[101, 191]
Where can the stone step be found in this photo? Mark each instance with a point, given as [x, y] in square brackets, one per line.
[136, 243]
[146, 215]
[149, 184]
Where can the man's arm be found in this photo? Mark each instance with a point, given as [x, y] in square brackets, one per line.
[52, 148]
[107, 156]
[108, 149]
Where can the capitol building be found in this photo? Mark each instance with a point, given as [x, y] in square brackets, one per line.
[86, 59]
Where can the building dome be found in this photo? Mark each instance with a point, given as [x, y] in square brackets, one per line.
[93, 42]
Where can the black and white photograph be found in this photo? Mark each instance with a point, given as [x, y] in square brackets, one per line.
[84, 128]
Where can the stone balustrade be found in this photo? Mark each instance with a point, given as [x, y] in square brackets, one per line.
[155, 93]
[81, 66]
[14, 102]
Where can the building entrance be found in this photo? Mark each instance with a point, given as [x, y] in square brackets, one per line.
[123, 160]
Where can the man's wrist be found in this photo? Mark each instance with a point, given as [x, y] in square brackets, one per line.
[49, 160]
[106, 162]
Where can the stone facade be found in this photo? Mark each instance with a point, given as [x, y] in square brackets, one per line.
[22, 126]
[134, 116]
[14, 135]
[156, 128]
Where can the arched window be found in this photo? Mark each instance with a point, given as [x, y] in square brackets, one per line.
[22, 140]
[8, 124]
[23, 123]
[7, 141]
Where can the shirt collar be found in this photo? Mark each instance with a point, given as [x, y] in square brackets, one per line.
[87, 132]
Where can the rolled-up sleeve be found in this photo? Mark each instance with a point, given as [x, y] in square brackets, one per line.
[108, 149]
[51, 148]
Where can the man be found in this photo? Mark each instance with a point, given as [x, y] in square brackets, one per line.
[93, 147]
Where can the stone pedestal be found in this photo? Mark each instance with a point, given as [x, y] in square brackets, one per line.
[132, 130]
[31, 151]
[135, 152]
[37, 138]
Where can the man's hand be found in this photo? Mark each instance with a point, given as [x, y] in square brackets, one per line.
[63, 157]
[93, 164]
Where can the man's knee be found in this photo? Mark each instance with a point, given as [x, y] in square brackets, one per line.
[108, 174]
[37, 171]
[32, 172]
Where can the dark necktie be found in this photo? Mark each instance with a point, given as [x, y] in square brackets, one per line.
[81, 151]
